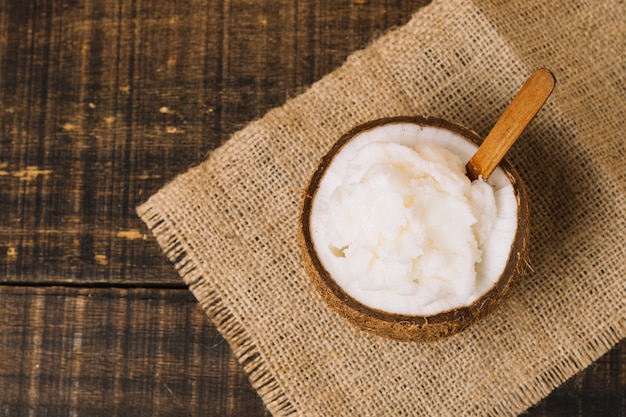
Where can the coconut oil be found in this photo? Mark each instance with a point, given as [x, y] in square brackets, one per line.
[402, 229]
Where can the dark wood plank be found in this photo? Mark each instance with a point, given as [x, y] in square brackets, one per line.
[115, 352]
[102, 102]
[598, 391]
[151, 352]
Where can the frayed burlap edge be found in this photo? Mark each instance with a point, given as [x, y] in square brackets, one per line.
[261, 378]
[226, 323]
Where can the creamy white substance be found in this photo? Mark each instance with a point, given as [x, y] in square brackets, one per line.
[401, 228]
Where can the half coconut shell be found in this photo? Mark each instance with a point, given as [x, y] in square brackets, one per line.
[413, 327]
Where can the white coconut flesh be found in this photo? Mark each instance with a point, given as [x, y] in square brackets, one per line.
[398, 225]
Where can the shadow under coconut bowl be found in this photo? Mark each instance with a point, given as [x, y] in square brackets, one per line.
[431, 325]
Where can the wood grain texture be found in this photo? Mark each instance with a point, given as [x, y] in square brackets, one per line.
[101, 103]
[115, 352]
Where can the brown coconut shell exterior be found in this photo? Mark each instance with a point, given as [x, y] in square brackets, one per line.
[411, 327]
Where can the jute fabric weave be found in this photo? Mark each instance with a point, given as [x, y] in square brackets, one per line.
[230, 224]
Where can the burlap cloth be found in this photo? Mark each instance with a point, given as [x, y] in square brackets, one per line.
[230, 224]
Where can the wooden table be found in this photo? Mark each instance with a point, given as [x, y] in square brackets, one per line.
[101, 103]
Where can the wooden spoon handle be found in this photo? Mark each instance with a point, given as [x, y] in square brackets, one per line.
[511, 124]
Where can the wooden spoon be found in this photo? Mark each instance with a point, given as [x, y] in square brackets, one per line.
[511, 124]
